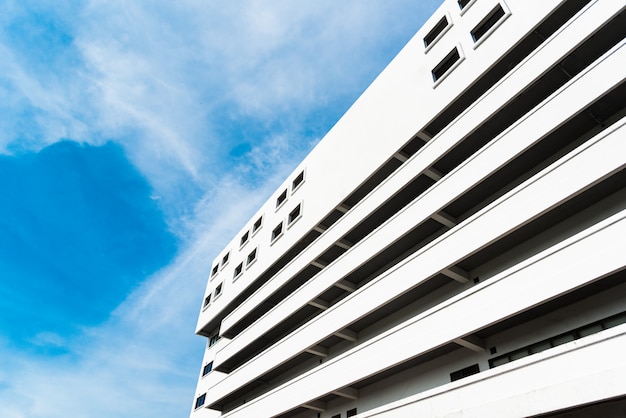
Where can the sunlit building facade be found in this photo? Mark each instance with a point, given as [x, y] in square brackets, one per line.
[454, 246]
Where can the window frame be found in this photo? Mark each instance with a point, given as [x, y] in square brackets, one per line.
[295, 185]
[428, 45]
[493, 27]
[255, 255]
[282, 199]
[292, 220]
[444, 62]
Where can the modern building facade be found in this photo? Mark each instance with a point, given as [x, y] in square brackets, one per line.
[455, 245]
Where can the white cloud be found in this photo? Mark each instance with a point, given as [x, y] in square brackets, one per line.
[179, 84]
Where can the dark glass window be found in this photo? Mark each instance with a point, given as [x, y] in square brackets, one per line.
[439, 27]
[276, 232]
[487, 23]
[351, 412]
[200, 400]
[297, 181]
[257, 224]
[244, 238]
[468, 371]
[251, 257]
[238, 270]
[207, 368]
[445, 64]
[293, 215]
[281, 198]
[463, 3]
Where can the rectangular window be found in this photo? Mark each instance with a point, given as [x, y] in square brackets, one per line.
[277, 232]
[297, 181]
[257, 225]
[215, 270]
[214, 339]
[436, 31]
[351, 412]
[336, 416]
[487, 23]
[225, 259]
[207, 300]
[207, 368]
[463, 3]
[294, 215]
[218, 290]
[251, 257]
[281, 198]
[468, 371]
[200, 400]
[244, 239]
[238, 270]
[442, 68]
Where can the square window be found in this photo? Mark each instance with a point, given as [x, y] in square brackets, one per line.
[463, 3]
[351, 412]
[238, 270]
[251, 257]
[225, 259]
[297, 181]
[200, 400]
[277, 232]
[214, 270]
[281, 198]
[218, 290]
[207, 368]
[257, 225]
[207, 300]
[244, 239]
[294, 215]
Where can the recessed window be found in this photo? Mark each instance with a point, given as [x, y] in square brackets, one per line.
[251, 257]
[225, 259]
[446, 64]
[297, 181]
[463, 3]
[436, 31]
[468, 371]
[244, 239]
[487, 23]
[277, 232]
[200, 400]
[207, 368]
[294, 215]
[336, 416]
[281, 198]
[351, 412]
[215, 270]
[257, 225]
[214, 339]
[218, 290]
[207, 300]
[238, 270]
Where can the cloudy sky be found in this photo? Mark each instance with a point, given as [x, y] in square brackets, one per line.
[136, 138]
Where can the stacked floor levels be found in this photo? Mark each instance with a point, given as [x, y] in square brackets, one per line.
[455, 245]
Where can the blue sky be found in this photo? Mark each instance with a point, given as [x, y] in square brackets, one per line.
[135, 140]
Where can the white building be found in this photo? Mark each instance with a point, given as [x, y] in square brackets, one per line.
[455, 245]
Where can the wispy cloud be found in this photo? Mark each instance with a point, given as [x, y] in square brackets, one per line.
[214, 102]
